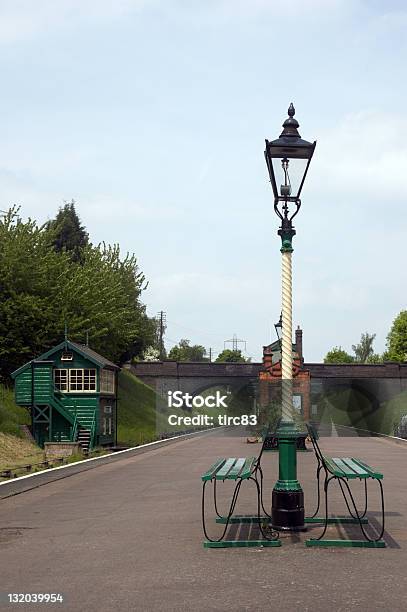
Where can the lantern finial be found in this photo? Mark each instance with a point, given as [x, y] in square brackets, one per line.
[291, 125]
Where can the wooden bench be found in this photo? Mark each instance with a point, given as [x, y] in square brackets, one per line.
[239, 470]
[343, 469]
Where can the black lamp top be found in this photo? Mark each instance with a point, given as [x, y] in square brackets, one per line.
[290, 144]
[291, 125]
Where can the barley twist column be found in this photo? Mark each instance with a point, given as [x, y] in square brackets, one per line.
[288, 498]
[287, 351]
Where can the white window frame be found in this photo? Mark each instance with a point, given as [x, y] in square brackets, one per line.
[84, 379]
[107, 382]
[64, 388]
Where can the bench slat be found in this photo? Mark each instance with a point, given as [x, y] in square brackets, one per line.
[209, 474]
[372, 472]
[235, 471]
[248, 467]
[358, 469]
[350, 469]
[224, 470]
[335, 469]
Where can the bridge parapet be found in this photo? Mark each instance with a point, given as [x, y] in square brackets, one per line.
[180, 369]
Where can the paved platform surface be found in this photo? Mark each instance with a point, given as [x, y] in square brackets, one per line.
[127, 536]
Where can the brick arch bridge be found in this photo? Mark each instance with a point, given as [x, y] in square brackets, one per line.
[376, 382]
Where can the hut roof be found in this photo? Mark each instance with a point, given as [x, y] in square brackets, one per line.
[82, 349]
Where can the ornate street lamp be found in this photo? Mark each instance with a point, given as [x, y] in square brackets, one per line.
[278, 327]
[288, 159]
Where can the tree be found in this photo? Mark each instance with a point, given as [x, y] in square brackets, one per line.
[185, 352]
[227, 355]
[364, 350]
[67, 233]
[397, 339]
[41, 289]
[338, 355]
[151, 354]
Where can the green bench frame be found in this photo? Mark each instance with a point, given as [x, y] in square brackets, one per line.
[343, 469]
[238, 470]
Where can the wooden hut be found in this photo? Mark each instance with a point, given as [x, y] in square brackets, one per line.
[71, 392]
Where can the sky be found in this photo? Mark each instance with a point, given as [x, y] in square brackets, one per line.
[152, 115]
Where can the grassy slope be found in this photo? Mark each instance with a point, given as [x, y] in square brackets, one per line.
[142, 414]
[136, 410]
[11, 416]
[14, 448]
[16, 451]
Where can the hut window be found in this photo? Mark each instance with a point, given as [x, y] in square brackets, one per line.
[107, 426]
[82, 380]
[107, 381]
[61, 379]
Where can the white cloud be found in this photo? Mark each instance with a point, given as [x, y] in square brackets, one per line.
[364, 155]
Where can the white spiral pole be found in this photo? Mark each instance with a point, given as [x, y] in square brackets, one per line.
[287, 349]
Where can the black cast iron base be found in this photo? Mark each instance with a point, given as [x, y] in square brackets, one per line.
[287, 511]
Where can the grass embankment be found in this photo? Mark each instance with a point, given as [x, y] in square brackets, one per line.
[11, 415]
[143, 414]
[15, 449]
[137, 415]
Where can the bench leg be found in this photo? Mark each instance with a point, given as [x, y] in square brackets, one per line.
[355, 517]
[261, 490]
[274, 534]
[220, 542]
[244, 518]
[318, 492]
[231, 509]
[358, 516]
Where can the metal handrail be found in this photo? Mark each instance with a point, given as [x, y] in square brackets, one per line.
[92, 433]
[74, 429]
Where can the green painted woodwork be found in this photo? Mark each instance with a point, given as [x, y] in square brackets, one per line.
[58, 416]
[336, 520]
[223, 472]
[347, 543]
[241, 543]
[240, 519]
[237, 468]
[373, 473]
[209, 474]
[230, 469]
[349, 468]
[275, 450]
[248, 467]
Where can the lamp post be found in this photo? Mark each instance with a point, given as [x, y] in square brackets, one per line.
[288, 159]
[278, 327]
